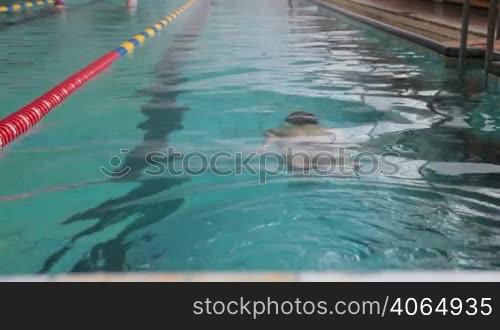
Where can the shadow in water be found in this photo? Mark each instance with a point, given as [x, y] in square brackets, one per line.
[163, 117]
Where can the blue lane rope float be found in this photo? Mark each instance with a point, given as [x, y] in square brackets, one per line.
[19, 122]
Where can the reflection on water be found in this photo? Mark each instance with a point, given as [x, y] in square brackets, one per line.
[163, 117]
[222, 83]
[438, 211]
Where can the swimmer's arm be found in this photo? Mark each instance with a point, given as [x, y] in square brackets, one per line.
[270, 139]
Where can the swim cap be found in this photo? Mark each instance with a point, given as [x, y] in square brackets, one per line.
[302, 118]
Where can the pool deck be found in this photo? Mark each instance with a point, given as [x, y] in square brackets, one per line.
[415, 276]
[434, 25]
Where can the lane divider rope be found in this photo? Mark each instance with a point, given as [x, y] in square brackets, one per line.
[19, 122]
[17, 7]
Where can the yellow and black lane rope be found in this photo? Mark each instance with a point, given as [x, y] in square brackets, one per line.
[17, 7]
[137, 40]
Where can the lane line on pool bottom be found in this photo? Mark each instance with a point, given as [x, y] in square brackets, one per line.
[19, 122]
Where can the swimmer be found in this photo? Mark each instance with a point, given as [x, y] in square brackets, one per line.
[303, 142]
[132, 3]
[299, 126]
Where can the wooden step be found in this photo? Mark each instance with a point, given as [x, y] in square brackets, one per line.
[430, 26]
[474, 3]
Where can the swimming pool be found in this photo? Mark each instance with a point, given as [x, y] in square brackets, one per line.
[213, 82]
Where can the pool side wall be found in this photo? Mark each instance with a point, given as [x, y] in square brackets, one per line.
[417, 276]
[408, 35]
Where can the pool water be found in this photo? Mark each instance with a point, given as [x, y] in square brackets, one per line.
[215, 81]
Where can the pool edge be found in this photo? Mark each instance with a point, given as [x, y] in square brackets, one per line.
[383, 276]
[429, 43]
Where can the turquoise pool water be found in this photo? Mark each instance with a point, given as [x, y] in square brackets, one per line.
[213, 82]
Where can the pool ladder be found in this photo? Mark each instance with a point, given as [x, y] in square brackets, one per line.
[493, 33]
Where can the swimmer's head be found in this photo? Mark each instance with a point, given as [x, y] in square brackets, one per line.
[302, 118]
